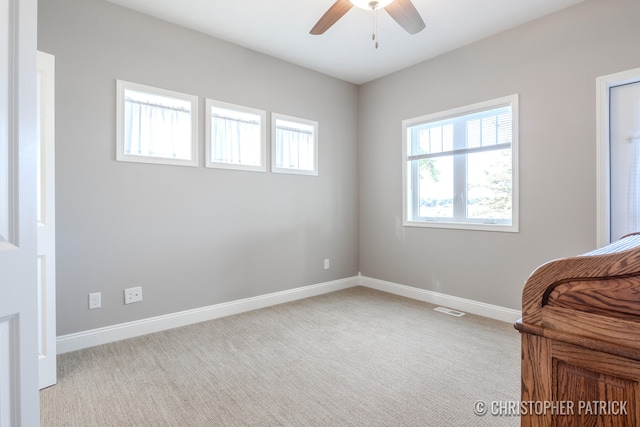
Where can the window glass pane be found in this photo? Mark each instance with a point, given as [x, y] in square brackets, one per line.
[504, 128]
[447, 137]
[473, 133]
[435, 139]
[489, 185]
[156, 126]
[432, 139]
[294, 145]
[423, 141]
[489, 131]
[436, 187]
[235, 137]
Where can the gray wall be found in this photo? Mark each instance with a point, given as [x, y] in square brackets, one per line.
[191, 237]
[553, 64]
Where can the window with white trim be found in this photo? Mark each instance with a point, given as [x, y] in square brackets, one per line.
[460, 167]
[156, 125]
[236, 137]
[294, 145]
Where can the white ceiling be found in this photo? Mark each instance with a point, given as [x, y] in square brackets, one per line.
[280, 28]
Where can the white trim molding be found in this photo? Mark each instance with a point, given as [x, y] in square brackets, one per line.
[90, 338]
[86, 339]
[462, 304]
[603, 89]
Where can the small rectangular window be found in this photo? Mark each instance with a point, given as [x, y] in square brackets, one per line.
[460, 167]
[156, 125]
[236, 137]
[294, 145]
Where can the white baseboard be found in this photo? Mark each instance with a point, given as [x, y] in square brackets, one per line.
[85, 339]
[93, 337]
[462, 304]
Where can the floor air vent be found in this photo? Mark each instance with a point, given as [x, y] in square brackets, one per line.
[449, 311]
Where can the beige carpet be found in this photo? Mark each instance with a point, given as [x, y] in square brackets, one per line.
[356, 357]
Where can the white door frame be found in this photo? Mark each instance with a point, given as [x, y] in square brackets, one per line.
[46, 214]
[603, 90]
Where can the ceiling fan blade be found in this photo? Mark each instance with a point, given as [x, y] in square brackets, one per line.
[406, 14]
[331, 16]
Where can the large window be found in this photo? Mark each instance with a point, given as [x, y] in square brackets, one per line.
[460, 167]
[156, 125]
[294, 145]
[236, 137]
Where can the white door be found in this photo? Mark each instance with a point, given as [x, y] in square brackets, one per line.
[625, 159]
[19, 401]
[46, 221]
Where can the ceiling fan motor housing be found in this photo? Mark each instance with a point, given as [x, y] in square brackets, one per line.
[371, 4]
[401, 11]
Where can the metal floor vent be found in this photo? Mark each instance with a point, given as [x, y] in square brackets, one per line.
[449, 311]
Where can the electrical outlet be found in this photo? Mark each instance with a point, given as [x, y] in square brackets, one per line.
[326, 264]
[95, 300]
[133, 295]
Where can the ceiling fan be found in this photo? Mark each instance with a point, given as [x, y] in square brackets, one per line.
[402, 11]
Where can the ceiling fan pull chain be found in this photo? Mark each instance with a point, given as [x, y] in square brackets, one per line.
[376, 18]
[374, 6]
[373, 30]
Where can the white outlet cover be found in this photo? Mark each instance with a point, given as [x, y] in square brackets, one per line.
[95, 300]
[133, 295]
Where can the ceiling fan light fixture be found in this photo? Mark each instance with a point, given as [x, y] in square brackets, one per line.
[401, 11]
[366, 4]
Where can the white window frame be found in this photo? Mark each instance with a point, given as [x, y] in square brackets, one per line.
[121, 87]
[262, 167]
[314, 124]
[511, 100]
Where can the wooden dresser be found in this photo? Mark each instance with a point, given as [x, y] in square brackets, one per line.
[580, 331]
